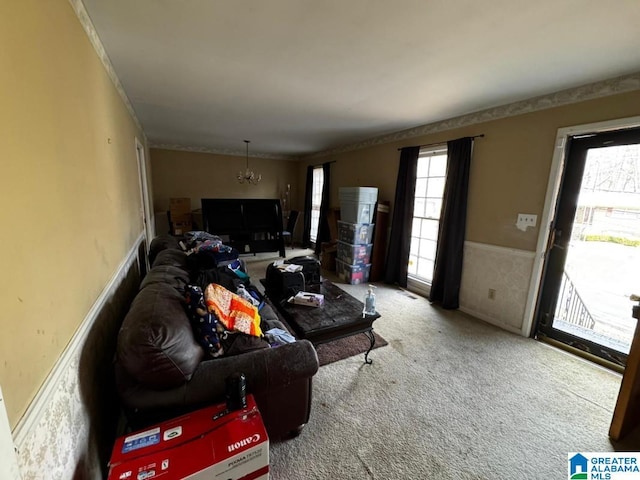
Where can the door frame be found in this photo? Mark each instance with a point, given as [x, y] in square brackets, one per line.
[145, 207]
[551, 198]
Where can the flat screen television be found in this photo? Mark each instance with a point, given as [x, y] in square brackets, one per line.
[252, 225]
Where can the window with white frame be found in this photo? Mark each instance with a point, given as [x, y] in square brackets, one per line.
[316, 200]
[430, 178]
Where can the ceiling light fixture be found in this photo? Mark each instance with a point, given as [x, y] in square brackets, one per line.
[248, 176]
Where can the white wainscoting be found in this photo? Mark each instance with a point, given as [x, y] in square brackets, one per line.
[505, 270]
[8, 460]
[52, 436]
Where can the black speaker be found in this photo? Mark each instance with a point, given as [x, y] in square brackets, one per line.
[236, 389]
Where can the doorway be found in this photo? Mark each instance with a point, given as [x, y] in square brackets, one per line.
[145, 209]
[593, 248]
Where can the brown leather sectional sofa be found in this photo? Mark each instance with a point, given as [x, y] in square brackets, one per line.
[161, 370]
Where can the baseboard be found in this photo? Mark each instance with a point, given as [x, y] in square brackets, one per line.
[58, 399]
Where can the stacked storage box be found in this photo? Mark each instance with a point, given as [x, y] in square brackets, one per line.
[355, 232]
[180, 215]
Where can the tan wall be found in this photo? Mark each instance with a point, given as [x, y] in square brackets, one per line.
[509, 171]
[69, 189]
[205, 175]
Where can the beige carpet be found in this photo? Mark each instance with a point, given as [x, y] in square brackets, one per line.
[450, 397]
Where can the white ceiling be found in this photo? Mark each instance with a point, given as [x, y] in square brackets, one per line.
[301, 76]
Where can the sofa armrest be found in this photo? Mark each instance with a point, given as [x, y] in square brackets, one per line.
[265, 370]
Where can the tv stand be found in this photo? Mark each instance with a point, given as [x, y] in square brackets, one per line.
[251, 225]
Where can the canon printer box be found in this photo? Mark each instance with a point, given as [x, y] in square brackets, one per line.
[211, 443]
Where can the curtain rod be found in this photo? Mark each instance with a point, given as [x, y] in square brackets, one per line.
[321, 164]
[441, 143]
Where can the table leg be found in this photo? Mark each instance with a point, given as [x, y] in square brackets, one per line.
[372, 339]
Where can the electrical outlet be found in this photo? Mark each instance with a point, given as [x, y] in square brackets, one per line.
[527, 220]
[492, 294]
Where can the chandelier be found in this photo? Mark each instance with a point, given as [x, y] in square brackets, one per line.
[249, 176]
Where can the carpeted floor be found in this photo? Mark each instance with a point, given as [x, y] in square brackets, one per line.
[450, 397]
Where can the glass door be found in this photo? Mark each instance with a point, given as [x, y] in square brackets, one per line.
[593, 256]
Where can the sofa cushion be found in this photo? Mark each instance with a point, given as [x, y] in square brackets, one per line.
[156, 344]
[167, 274]
[174, 258]
[268, 314]
[160, 243]
[239, 343]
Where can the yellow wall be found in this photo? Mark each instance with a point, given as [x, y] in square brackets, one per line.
[509, 170]
[69, 189]
[204, 175]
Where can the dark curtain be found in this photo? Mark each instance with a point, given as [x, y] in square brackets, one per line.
[323, 225]
[447, 273]
[400, 241]
[306, 233]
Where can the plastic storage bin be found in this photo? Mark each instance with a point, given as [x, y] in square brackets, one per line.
[354, 254]
[358, 194]
[357, 212]
[353, 274]
[357, 204]
[355, 233]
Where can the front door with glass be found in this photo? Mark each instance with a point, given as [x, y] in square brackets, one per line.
[593, 256]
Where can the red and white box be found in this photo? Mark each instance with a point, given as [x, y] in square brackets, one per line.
[210, 443]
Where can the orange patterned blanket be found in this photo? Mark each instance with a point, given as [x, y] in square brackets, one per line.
[233, 311]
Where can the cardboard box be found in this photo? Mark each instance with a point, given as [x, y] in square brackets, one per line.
[182, 218]
[179, 206]
[180, 228]
[180, 215]
[210, 443]
[328, 256]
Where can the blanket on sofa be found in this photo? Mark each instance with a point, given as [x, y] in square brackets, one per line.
[233, 311]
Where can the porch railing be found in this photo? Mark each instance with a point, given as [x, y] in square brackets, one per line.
[570, 307]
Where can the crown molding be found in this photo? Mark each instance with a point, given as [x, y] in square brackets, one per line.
[605, 88]
[219, 151]
[87, 25]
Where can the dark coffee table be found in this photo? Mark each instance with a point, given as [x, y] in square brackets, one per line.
[340, 316]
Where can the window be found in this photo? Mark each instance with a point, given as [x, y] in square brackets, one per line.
[316, 199]
[430, 178]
